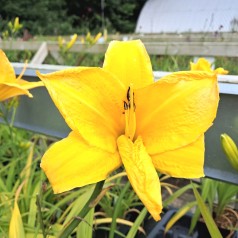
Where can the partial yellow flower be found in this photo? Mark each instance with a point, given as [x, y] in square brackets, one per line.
[11, 86]
[120, 116]
[204, 65]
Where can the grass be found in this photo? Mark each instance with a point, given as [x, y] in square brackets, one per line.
[27, 202]
[19, 56]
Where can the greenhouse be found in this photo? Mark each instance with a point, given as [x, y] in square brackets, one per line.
[161, 16]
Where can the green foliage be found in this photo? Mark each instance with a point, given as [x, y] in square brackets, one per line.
[39, 17]
[228, 63]
[66, 57]
[128, 200]
[207, 216]
[19, 56]
[13, 28]
[114, 15]
[218, 196]
[170, 63]
[225, 193]
[173, 63]
[82, 59]
[122, 15]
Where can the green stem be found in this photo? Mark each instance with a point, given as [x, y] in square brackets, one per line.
[13, 116]
[40, 215]
[4, 114]
[75, 222]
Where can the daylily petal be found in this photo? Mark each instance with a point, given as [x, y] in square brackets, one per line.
[10, 86]
[12, 90]
[8, 90]
[91, 101]
[176, 110]
[7, 73]
[204, 65]
[28, 85]
[72, 163]
[221, 71]
[185, 162]
[141, 173]
[130, 62]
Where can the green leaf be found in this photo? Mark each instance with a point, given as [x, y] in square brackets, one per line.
[132, 232]
[226, 194]
[85, 228]
[176, 194]
[33, 208]
[211, 225]
[78, 204]
[181, 212]
[87, 207]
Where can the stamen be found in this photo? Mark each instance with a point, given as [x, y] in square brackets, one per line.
[23, 71]
[130, 116]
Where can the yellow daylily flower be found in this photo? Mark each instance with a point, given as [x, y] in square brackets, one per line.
[204, 65]
[11, 86]
[120, 116]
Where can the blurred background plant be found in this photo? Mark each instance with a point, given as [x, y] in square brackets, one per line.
[65, 46]
[67, 57]
[13, 29]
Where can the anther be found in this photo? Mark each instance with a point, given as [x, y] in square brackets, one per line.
[126, 106]
[128, 94]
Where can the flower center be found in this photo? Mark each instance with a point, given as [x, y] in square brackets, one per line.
[130, 116]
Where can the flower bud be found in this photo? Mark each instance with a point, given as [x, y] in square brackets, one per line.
[72, 41]
[230, 150]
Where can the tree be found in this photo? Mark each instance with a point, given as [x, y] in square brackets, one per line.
[115, 15]
[123, 14]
